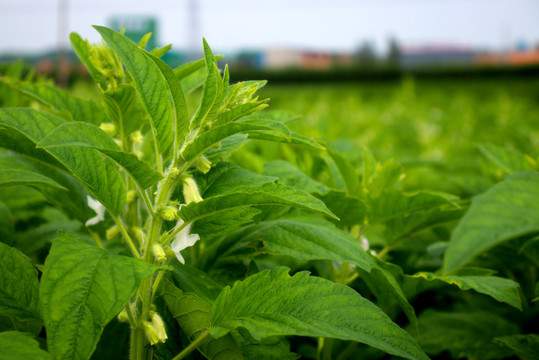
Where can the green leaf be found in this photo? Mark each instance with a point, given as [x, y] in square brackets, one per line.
[226, 177]
[193, 315]
[191, 280]
[74, 134]
[524, 346]
[180, 117]
[63, 103]
[273, 303]
[211, 90]
[15, 345]
[7, 227]
[124, 109]
[82, 49]
[507, 160]
[347, 171]
[309, 239]
[503, 290]
[216, 134]
[290, 175]
[82, 289]
[464, 334]
[507, 210]
[98, 174]
[18, 286]
[266, 194]
[190, 68]
[150, 84]
[350, 210]
[270, 348]
[25, 177]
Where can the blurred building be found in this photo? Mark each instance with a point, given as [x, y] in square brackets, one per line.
[512, 58]
[437, 55]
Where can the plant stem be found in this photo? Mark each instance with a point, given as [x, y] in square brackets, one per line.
[192, 346]
[126, 236]
[138, 350]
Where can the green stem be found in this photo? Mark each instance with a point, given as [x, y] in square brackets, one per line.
[192, 346]
[126, 236]
[138, 349]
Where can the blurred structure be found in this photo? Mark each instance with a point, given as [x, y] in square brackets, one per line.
[437, 55]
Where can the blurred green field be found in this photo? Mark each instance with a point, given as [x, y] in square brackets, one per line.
[424, 124]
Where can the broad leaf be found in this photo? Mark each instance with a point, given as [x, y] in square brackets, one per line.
[24, 177]
[226, 177]
[273, 303]
[15, 345]
[66, 105]
[503, 290]
[193, 315]
[82, 289]
[191, 280]
[99, 175]
[524, 346]
[309, 239]
[290, 175]
[269, 348]
[74, 134]
[18, 286]
[508, 161]
[266, 194]
[150, 84]
[464, 334]
[505, 211]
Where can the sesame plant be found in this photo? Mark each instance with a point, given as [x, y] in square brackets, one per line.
[143, 240]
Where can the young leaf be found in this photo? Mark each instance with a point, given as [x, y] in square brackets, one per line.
[99, 175]
[124, 109]
[505, 211]
[150, 84]
[193, 315]
[218, 133]
[82, 289]
[464, 334]
[19, 286]
[180, 115]
[15, 345]
[503, 290]
[273, 303]
[210, 92]
[25, 177]
[266, 194]
[82, 49]
[66, 105]
[74, 134]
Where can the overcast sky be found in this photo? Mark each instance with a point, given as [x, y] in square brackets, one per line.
[230, 25]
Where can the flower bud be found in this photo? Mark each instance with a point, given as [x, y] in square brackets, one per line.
[131, 195]
[159, 252]
[159, 326]
[190, 191]
[112, 232]
[168, 213]
[137, 137]
[203, 164]
[109, 128]
[122, 316]
[154, 336]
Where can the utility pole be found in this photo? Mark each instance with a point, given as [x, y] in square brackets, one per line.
[62, 72]
[194, 30]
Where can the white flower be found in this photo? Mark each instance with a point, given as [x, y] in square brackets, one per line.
[99, 210]
[183, 240]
